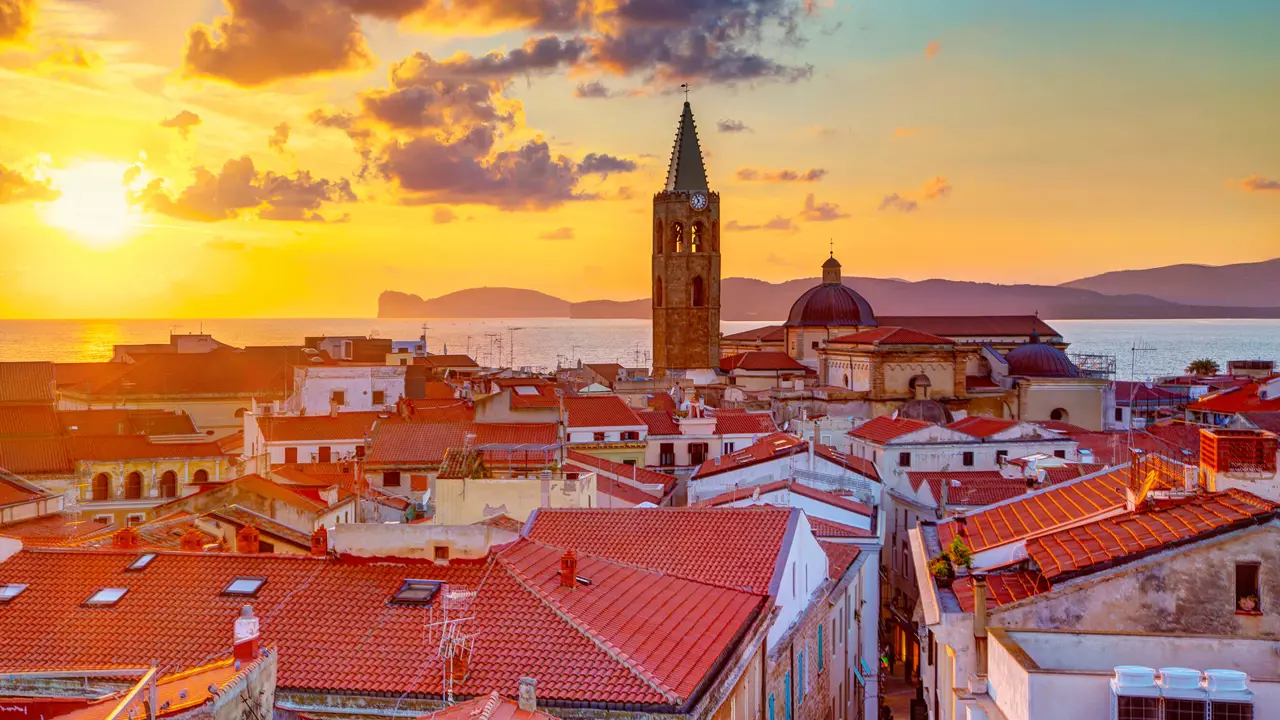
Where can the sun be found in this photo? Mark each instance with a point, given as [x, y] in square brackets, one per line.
[93, 203]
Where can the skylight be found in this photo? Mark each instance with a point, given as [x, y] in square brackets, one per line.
[526, 390]
[142, 561]
[417, 592]
[106, 596]
[10, 591]
[244, 585]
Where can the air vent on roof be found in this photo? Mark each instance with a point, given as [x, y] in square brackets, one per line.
[416, 592]
[10, 591]
[141, 561]
[244, 586]
[106, 596]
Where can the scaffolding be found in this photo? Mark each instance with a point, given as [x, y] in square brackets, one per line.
[1095, 366]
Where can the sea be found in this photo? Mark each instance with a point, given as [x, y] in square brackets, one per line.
[1142, 348]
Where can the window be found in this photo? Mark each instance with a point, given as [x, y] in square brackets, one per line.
[699, 236]
[169, 484]
[1119, 414]
[1248, 596]
[338, 397]
[266, 547]
[968, 458]
[1060, 454]
[629, 462]
[697, 292]
[1001, 456]
[677, 233]
[134, 519]
[245, 585]
[200, 476]
[441, 552]
[666, 454]
[802, 680]
[10, 591]
[379, 397]
[141, 562]
[391, 478]
[1059, 414]
[820, 660]
[728, 447]
[106, 596]
[904, 459]
[598, 437]
[772, 716]
[631, 435]
[786, 703]
[416, 592]
[1178, 709]
[1137, 708]
[325, 454]
[815, 345]
[133, 486]
[101, 487]
[697, 453]
[360, 452]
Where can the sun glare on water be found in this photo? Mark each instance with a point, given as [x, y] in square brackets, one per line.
[93, 204]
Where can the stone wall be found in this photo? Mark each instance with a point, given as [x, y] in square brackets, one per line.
[685, 336]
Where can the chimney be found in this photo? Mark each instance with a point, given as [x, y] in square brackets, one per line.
[333, 408]
[569, 569]
[192, 541]
[980, 619]
[247, 540]
[245, 646]
[126, 538]
[320, 542]
[1131, 498]
[528, 698]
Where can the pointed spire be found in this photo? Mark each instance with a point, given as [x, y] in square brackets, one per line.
[686, 172]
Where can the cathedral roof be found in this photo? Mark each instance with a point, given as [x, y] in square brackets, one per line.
[831, 262]
[1037, 359]
[686, 172]
[831, 304]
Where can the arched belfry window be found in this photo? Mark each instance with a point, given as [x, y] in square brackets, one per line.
[698, 292]
[698, 237]
[657, 292]
[657, 237]
[677, 233]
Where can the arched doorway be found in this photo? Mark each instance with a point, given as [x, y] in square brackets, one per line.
[1060, 414]
[169, 484]
[133, 486]
[200, 476]
[698, 292]
[101, 489]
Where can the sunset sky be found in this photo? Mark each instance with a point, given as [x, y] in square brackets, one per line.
[282, 158]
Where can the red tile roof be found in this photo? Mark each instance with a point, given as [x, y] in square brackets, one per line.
[1176, 437]
[981, 426]
[424, 445]
[1269, 421]
[823, 528]
[973, 325]
[446, 361]
[337, 630]
[767, 360]
[660, 401]
[1070, 471]
[264, 372]
[346, 426]
[635, 473]
[766, 334]
[1002, 588]
[1038, 513]
[729, 547]
[1112, 448]
[1128, 393]
[441, 411]
[862, 466]
[89, 375]
[543, 394]
[177, 694]
[1236, 400]
[888, 335]
[601, 411]
[36, 456]
[659, 422]
[969, 488]
[770, 447]
[28, 420]
[839, 557]
[27, 382]
[609, 371]
[138, 447]
[438, 390]
[53, 530]
[1060, 426]
[743, 423]
[1084, 548]
[823, 496]
[14, 490]
[884, 428]
[125, 422]
[486, 707]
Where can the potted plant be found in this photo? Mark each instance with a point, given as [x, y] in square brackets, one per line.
[1249, 603]
[942, 570]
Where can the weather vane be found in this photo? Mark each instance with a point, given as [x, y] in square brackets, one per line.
[685, 87]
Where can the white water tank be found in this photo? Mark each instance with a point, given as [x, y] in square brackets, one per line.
[1226, 681]
[1134, 677]
[1176, 678]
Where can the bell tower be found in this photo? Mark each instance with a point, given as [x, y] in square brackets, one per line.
[686, 261]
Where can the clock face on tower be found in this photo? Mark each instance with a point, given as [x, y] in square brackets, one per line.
[698, 201]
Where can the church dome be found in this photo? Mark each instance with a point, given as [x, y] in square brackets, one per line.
[1037, 359]
[927, 410]
[831, 304]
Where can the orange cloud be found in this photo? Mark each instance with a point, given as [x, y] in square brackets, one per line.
[183, 122]
[1257, 183]
[936, 187]
[932, 48]
[18, 187]
[562, 233]
[16, 17]
[780, 176]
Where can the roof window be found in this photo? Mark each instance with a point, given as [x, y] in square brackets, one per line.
[416, 592]
[244, 586]
[526, 390]
[106, 596]
[141, 562]
[10, 591]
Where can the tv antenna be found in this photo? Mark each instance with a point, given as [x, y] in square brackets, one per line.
[455, 644]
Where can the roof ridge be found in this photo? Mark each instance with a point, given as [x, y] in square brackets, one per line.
[641, 674]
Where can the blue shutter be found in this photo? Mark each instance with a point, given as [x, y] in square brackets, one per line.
[820, 648]
[801, 679]
[786, 706]
[771, 715]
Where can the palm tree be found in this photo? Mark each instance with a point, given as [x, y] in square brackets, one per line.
[1203, 366]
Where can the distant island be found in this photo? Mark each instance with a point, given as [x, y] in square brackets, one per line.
[1248, 290]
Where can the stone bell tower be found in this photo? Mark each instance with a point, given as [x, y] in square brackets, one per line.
[686, 261]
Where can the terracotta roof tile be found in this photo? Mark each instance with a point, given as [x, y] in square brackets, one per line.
[1236, 400]
[830, 498]
[888, 335]
[765, 360]
[729, 547]
[1269, 421]
[768, 333]
[529, 395]
[27, 382]
[28, 420]
[1038, 513]
[602, 411]
[981, 426]
[769, 447]
[744, 423]
[438, 390]
[1002, 588]
[422, 444]
[89, 375]
[346, 426]
[36, 456]
[1112, 448]
[486, 707]
[1060, 426]
[1084, 548]
[823, 528]
[609, 371]
[1071, 471]
[659, 422]
[1139, 393]
[53, 530]
[884, 428]
[125, 422]
[635, 473]
[862, 466]
[265, 372]
[839, 557]
[973, 325]
[138, 447]
[969, 488]
[441, 411]
[446, 361]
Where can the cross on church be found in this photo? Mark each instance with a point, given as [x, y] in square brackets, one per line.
[685, 87]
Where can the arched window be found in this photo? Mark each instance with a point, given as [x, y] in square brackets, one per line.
[657, 237]
[133, 486]
[697, 292]
[169, 484]
[846, 380]
[200, 476]
[699, 236]
[1060, 414]
[677, 234]
[101, 487]
[657, 292]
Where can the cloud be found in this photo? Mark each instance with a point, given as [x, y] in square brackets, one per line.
[65, 55]
[780, 176]
[183, 122]
[905, 132]
[819, 131]
[1257, 183]
[894, 201]
[265, 41]
[563, 233]
[481, 15]
[820, 212]
[732, 126]
[240, 189]
[443, 215]
[16, 18]
[601, 164]
[778, 223]
[279, 137]
[224, 244]
[592, 90]
[427, 94]
[625, 193]
[932, 48]
[936, 187]
[16, 187]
